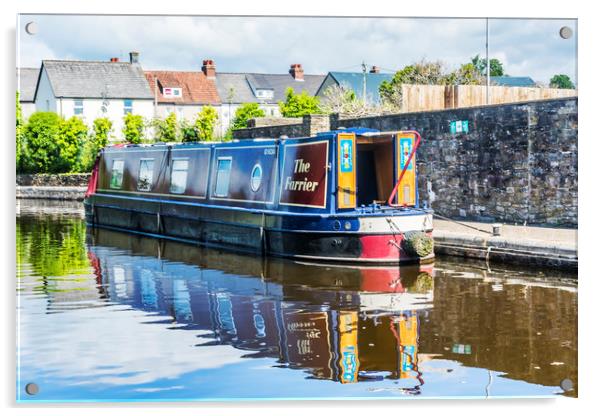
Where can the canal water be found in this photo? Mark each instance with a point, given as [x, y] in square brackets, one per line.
[108, 316]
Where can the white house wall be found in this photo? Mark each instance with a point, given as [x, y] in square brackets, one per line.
[92, 109]
[45, 100]
[225, 113]
[27, 109]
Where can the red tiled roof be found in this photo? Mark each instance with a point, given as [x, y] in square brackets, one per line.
[196, 88]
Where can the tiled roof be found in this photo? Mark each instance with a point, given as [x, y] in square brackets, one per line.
[235, 88]
[355, 82]
[27, 79]
[196, 87]
[513, 81]
[97, 79]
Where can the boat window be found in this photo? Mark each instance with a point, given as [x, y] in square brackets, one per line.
[145, 174]
[222, 182]
[256, 175]
[117, 174]
[179, 175]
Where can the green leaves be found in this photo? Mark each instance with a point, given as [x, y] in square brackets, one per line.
[72, 135]
[299, 105]
[188, 132]
[496, 68]
[561, 81]
[133, 128]
[41, 136]
[19, 135]
[50, 144]
[102, 129]
[244, 113]
[205, 123]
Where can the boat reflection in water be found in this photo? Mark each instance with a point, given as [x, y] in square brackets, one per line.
[112, 316]
[341, 323]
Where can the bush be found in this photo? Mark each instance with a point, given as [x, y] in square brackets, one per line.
[166, 129]
[244, 113]
[41, 153]
[102, 129]
[188, 132]
[205, 123]
[299, 105]
[20, 139]
[92, 145]
[133, 128]
[72, 136]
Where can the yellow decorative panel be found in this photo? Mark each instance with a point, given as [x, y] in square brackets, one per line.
[349, 361]
[346, 183]
[408, 344]
[406, 192]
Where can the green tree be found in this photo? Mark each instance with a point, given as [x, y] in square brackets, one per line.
[205, 123]
[102, 128]
[71, 138]
[42, 136]
[165, 130]
[467, 74]
[496, 68]
[244, 113]
[420, 73]
[561, 81]
[133, 128]
[187, 132]
[20, 139]
[299, 105]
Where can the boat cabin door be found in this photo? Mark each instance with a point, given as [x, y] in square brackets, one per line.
[406, 192]
[346, 171]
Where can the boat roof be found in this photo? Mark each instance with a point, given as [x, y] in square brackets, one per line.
[358, 131]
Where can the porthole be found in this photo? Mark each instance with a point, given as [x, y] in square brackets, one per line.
[256, 175]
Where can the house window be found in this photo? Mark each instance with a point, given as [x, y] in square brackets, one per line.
[145, 174]
[222, 182]
[127, 106]
[117, 174]
[172, 92]
[78, 107]
[179, 175]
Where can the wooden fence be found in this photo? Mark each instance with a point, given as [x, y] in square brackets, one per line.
[441, 97]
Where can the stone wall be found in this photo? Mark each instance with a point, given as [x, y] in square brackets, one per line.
[42, 179]
[291, 127]
[516, 164]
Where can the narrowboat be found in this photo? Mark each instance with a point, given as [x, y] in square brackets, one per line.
[348, 195]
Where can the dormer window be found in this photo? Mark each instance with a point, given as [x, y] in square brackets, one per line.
[172, 92]
[264, 93]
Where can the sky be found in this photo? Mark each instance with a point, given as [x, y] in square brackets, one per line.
[526, 47]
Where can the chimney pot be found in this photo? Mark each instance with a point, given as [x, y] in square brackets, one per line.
[209, 68]
[134, 57]
[374, 69]
[114, 59]
[296, 72]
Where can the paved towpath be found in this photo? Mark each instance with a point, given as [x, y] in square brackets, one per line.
[545, 246]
